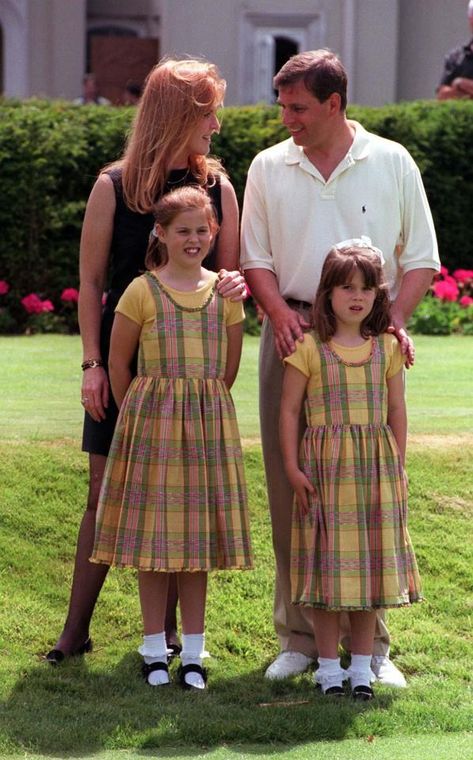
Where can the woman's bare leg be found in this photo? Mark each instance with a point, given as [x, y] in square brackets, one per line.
[88, 577]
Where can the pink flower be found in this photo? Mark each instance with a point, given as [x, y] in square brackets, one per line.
[445, 290]
[466, 301]
[4, 288]
[70, 294]
[463, 275]
[34, 305]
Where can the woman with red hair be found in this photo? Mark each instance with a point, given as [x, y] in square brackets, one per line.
[167, 148]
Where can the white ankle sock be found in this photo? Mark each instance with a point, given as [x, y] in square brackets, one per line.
[360, 670]
[193, 652]
[329, 673]
[154, 649]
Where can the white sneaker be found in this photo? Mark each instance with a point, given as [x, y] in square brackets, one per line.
[386, 672]
[288, 664]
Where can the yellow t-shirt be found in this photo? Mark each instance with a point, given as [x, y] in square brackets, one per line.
[306, 357]
[137, 302]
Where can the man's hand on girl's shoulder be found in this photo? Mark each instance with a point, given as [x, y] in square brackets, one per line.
[407, 344]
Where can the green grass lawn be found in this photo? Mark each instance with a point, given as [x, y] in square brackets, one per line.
[100, 705]
[40, 387]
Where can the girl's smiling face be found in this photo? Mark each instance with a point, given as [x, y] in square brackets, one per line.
[353, 301]
[187, 238]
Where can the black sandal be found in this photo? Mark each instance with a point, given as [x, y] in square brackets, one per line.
[362, 693]
[183, 670]
[56, 656]
[332, 691]
[146, 669]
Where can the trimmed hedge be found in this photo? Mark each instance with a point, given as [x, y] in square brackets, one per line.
[51, 152]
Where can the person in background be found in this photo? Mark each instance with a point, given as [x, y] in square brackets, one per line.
[457, 77]
[131, 94]
[90, 94]
[167, 148]
[351, 549]
[331, 180]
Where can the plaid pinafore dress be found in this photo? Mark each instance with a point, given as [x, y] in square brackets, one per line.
[173, 496]
[353, 550]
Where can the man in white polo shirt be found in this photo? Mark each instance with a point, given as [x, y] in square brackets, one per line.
[330, 181]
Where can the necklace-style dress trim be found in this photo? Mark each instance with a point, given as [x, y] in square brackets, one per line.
[181, 306]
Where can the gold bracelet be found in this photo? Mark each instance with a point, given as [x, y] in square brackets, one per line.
[91, 364]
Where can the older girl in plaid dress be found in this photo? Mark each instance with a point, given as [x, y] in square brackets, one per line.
[350, 545]
[173, 498]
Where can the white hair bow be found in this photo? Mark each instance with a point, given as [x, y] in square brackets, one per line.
[362, 242]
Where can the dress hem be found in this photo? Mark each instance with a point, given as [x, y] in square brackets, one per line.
[170, 569]
[360, 608]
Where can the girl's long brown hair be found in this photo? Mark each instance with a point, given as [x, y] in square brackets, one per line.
[338, 269]
[177, 94]
[166, 210]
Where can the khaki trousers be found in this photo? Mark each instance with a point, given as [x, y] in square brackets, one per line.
[290, 621]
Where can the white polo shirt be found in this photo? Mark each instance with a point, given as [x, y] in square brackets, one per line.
[292, 216]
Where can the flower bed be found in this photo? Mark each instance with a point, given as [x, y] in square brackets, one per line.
[448, 308]
[33, 314]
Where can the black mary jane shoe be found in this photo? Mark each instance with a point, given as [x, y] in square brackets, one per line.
[183, 670]
[332, 691]
[147, 669]
[56, 656]
[362, 693]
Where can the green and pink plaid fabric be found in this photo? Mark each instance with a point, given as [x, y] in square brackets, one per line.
[353, 550]
[174, 494]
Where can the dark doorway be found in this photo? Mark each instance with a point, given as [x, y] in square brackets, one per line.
[283, 49]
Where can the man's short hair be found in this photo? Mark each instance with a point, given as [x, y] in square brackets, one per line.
[321, 71]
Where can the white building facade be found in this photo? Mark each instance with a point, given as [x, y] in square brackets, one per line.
[393, 49]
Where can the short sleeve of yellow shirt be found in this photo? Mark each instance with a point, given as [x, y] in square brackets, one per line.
[306, 357]
[137, 302]
[393, 353]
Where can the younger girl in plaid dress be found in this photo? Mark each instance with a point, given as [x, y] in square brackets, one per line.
[173, 499]
[350, 546]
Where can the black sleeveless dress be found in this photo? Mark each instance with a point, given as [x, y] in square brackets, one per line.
[130, 237]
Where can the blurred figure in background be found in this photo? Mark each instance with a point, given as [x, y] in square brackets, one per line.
[457, 77]
[90, 93]
[131, 94]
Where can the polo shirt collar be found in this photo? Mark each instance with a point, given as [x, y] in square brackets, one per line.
[359, 148]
